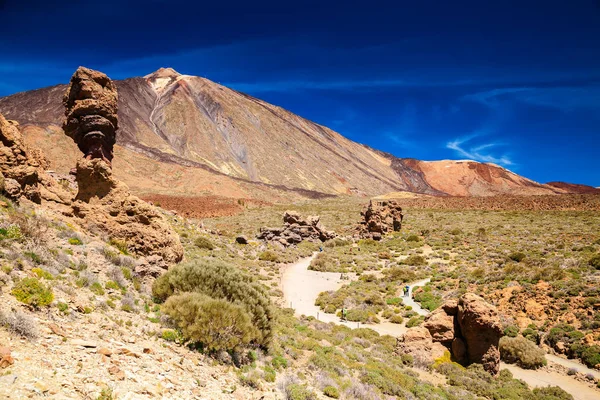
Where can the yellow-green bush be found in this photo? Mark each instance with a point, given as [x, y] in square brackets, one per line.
[33, 292]
[215, 323]
[223, 281]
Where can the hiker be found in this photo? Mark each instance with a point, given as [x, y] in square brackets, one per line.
[320, 248]
[344, 314]
[406, 291]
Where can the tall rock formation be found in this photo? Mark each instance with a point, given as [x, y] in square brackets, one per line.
[91, 113]
[102, 201]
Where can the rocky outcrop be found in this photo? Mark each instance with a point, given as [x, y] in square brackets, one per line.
[470, 328]
[419, 344]
[91, 113]
[103, 202]
[22, 172]
[379, 218]
[295, 230]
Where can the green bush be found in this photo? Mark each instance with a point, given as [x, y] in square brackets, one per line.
[33, 292]
[551, 393]
[268, 255]
[415, 260]
[522, 352]
[42, 273]
[299, 392]
[121, 245]
[396, 319]
[170, 335]
[415, 321]
[412, 238]
[223, 281]
[331, 391]
[595, 261]
[215, 323]
[279, 362]
[591, 356]
[204, 243]
[511, 331]
[75, 241]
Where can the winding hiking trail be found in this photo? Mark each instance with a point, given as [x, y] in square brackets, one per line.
[301, 287]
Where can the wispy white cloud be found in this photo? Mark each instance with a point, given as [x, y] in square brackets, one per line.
[464, 147]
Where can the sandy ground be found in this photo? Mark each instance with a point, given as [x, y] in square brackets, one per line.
[301, 288]
[579, 390]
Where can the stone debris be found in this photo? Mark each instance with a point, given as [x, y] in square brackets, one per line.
[380, 217]
[6, 359]
[295, 230]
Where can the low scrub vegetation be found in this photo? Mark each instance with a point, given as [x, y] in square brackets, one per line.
[520, 351]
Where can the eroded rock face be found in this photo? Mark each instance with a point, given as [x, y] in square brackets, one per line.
[91, 113]
[470, 328]
[22, 172]
[296, 229]
[379, 218]
[419, 343]
[102, 200]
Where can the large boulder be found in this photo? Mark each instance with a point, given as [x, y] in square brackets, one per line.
[418, 343]
[470, 328]
[441, 326]
[481, 331]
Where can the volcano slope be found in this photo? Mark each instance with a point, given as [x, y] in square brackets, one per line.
[188, 136]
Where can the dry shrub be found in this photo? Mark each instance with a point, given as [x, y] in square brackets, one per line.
[522, 352]
[20, 324]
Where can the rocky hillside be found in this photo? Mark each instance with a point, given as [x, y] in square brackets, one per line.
[186, 135]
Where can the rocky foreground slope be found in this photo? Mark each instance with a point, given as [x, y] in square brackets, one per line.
[186, 135]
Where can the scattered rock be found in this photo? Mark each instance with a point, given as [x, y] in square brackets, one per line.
[418, 343]
[296, 229]
[441, 326]
[57, 330]
[104, 351]
[379, 218]
[6, 359]
[116, 372]
[83, 343]
[241, 239]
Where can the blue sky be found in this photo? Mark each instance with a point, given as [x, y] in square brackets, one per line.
[516, 83]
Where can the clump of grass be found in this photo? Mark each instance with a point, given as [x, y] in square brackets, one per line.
[204, 243]
[522, 352]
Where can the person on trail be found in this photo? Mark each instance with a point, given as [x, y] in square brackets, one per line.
[344, 314]
[321, 249]
[406, 291]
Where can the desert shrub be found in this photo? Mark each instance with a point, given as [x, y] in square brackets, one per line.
[595, 261]
[269, 374]
[396, 319]
[62, 307]
[551, 393]
[412, 238]
[414, 260]
[268, 255]
[75, 241]
[511, 331]
[33, 292]
[591, 356]
[456, 231]
[220, 280]
[428, 299]
[120, 245]
[42, 273]
[204, 243]
[170, 335]
[217, 324]
[331, 391]
[297, 391]
[521, 351]
[517, 256]
[400, 274]
[394, 301]
[279, 362]
[415, 321]
[11, 232]
[20, 324]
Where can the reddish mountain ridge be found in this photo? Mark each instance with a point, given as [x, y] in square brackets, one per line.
[188, 136]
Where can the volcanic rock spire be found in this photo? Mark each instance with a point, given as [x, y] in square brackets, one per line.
[91, 113]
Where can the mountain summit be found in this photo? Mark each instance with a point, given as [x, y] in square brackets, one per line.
[188, 135]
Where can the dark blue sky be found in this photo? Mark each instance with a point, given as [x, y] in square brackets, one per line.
[516, 83]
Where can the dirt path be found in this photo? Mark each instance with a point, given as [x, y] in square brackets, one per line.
[301, 287]
[579, 390]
